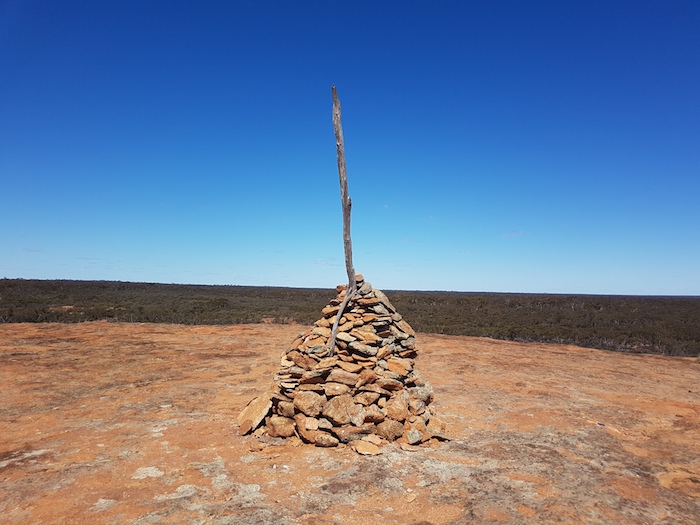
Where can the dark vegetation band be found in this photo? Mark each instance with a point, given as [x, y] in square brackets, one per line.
[654, 324]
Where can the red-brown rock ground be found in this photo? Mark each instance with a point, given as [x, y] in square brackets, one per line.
[109, 423]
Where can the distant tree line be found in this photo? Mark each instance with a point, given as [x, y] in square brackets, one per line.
[653, 324]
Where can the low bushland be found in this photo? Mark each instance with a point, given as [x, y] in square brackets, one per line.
[650, 324]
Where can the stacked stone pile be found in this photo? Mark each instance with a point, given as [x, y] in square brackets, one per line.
[367, 392]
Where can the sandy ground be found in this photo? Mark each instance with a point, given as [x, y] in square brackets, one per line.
[108, 423]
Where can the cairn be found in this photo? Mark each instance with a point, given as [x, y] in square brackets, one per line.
[364, 393]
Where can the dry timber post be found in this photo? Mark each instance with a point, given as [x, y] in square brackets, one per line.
[347, 205]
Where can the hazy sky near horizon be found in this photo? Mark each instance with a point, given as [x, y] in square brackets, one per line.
[504, 146]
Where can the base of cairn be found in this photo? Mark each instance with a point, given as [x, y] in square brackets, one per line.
[367, 393]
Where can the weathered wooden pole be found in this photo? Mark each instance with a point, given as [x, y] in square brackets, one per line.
[347, 206]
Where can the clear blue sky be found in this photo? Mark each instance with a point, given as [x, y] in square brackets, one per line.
[540, 146]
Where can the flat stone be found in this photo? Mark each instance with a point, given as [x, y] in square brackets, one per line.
[380, 309]
[321, 331]
[372, 438]
[324, 439]
[335, 389]
[388, 374]
[323, 321]
[253, 414]
[389, 429]
[350, 367]
[329, 311]
[389, 384]
[313, 387]
[347, 434]
[368, 301]
[362, 349]
[315, 341]
[384, 300]
[295, 371]
[338, 375]
[318, 351]
[303, 361]
[365, 336]
[336, 409]
[278, 426]
[345, 327]
[312, 376]
[326, 362]
[375, 388]
[399, 365]
[346, 336]
[366, 398]
[365, 448]
[309, 403]
[405, 327]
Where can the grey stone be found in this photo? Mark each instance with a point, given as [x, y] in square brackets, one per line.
[357, 415]
[362, 348]
[414, 436]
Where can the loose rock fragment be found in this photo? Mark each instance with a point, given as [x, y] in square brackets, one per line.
[365, 448]
[253, 414]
